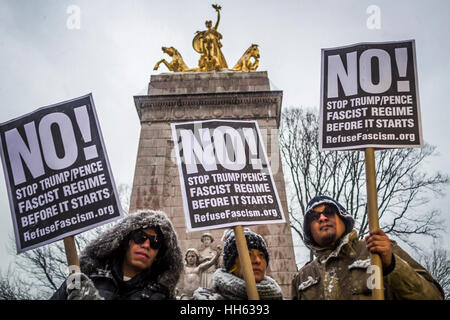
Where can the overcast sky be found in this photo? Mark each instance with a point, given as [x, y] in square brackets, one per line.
[45, 59]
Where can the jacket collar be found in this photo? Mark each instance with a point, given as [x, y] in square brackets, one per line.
[324, 254]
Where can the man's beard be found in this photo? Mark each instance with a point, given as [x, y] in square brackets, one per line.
[328, 239]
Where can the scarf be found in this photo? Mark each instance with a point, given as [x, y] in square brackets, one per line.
[229, 287]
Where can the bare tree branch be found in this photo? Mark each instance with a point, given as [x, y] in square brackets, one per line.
[404, 187]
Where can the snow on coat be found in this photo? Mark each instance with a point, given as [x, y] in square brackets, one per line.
[342, 274]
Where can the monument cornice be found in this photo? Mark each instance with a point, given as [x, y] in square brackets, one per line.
[226, 105]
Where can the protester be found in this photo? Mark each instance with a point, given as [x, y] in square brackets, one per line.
[137, 259]
[342, 267]
[228, 282]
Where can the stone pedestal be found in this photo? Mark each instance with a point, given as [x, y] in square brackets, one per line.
[178, 97]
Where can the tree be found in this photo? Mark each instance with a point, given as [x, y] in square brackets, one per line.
[13, 288]
[404, 186]
[42, 270]
[438, 264]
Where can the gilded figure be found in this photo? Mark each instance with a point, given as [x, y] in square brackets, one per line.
[177, 64]
[249, 60]
[208, 44]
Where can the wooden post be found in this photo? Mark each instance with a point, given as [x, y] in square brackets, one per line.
[246, 264]
[71, 254]
[372, 207]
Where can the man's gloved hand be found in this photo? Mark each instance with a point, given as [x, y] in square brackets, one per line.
[80, 287]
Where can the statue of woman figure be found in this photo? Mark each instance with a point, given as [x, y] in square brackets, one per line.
[208, 44]
[193, 271]
[208, 253]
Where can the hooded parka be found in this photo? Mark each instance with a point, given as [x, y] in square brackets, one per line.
[102, 260]
[345, 272]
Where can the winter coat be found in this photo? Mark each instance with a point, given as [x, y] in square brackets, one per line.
[102, 260]
[227, 286]
[342, 274]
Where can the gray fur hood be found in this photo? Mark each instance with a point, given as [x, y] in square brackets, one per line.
[97, 254]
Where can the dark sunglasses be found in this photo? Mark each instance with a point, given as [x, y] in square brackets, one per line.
[139, 237]
[327, 212]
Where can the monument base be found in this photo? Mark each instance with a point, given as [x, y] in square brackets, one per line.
[179, 97]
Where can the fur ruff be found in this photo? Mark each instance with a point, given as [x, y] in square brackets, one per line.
[97, 254]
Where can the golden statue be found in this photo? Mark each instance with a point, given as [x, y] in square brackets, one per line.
[208, 44]
[249, 60]
[177, 64]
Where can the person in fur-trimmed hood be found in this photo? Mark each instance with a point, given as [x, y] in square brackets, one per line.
[341, 268]
[228, 282]
[137, 259]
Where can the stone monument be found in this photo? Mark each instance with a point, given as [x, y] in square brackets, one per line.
[240, 93]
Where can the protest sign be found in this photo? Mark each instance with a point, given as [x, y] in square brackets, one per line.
[225, 175]
[57, 173]
[369, 97]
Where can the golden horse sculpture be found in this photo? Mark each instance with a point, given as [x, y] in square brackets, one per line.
[249, 60]
[177, 64]
[208, 44]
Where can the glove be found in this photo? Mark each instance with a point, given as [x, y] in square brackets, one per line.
[80, 287]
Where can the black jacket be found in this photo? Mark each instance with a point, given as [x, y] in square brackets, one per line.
[111, 286]
[101, 262]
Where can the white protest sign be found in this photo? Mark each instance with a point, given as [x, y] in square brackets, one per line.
[369, 97]
[225, 175]
[57, 173]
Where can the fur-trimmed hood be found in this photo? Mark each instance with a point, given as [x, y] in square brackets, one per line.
[99, 251]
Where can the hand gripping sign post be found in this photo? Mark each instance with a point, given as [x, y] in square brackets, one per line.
[370, 100]
[57, 175]
[226, 181]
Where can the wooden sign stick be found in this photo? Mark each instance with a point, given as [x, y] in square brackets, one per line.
[246, 264]
[372, 206]
[71, 254]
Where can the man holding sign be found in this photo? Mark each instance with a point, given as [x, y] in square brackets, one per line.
[369, 99]
[138, 259]
[342, 269]
[60, 184]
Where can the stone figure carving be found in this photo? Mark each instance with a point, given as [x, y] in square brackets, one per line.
[208, 44]
[177, 64]
[207, 252]
[193, 271]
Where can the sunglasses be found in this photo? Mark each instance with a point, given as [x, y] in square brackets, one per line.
[139, 237]
[328, 212]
